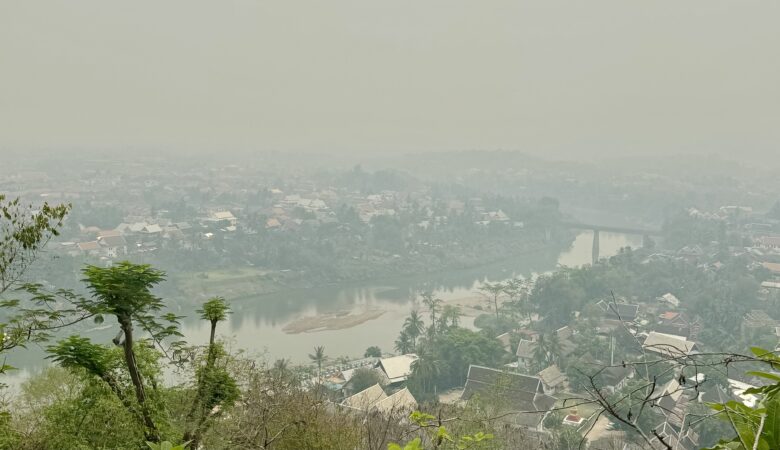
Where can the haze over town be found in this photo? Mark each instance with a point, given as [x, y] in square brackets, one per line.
[389, 225]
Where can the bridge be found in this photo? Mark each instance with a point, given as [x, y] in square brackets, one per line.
[644, 232]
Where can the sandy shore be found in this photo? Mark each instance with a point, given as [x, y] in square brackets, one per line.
[333, 321]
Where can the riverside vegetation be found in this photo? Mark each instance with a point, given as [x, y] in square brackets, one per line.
[115, 396]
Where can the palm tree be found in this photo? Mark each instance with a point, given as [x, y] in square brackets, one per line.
[433, 305]
[449, 317]
[426, 368]
[318, 358]
[404, 343]
[281, 365]
[414, 326]
[540, 354]
[214, 310]
[492, 292]
[554, 348]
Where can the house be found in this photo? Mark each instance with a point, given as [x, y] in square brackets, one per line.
[756, 319]
[615, 378]
[152, 229]
[618, 311]
[672, 402]
[397, 368]
[505, 341]
[401, 403]
[769, 242]
[566, 340]
[668, 344]
[220, 216]
[525, 352]
[183, 226]
[89, 248]
[667, 436]
[508, 391]
[366, 398]
[553, 380]
[113, 245]
[678, 324]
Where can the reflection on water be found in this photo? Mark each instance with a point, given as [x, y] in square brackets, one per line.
[256, 324]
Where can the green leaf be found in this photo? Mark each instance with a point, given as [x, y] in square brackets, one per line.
[772, 423]
[98, 319]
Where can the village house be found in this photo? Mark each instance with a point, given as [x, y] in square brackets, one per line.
[769, 242]
[615, 378]
[113, 245]
[623, 312]
[553, 380]
[504, 391]
[396, 369]
[525, 353]
[221, 216]
[91, 248]
[668, 344]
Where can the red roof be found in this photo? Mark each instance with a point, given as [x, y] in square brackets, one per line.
[669, 315]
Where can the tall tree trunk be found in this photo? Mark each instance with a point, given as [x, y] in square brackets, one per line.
[152, 434]
[213, 332]
[198, 413]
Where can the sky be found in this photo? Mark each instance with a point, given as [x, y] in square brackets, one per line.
[547, 77]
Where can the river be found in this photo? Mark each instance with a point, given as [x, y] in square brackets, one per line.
[256, 323]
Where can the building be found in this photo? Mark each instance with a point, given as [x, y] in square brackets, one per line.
[508, 391]
[113, 246]
[668, 344]
[228, 216]
[397, 368]
[623, 312]
[553, 379]
[525, 352]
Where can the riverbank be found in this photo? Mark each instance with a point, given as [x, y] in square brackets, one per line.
[244, 282]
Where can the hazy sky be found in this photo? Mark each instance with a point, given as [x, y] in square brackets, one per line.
[546, 77]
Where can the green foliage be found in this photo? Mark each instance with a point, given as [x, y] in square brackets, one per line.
[440, 438]
[23, 233]
[215, 309]
[373, 352]
[364, 378]
[76, 351]
[165, 445]
[757, 427]
[318, 358]
[124, 289]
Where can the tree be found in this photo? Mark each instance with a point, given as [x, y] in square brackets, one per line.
[215, 386]
[425, 370]
[363, 379]
[318, 357]
[214, 310]
[404, 343]
[492, 293]
[23, 233]
[414, 326]
[373, 352]
[124, 291]
[433, 305]
[449, 317]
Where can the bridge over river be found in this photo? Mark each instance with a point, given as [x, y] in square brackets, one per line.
[644, 232]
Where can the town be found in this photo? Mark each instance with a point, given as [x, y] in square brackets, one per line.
[539, 348]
